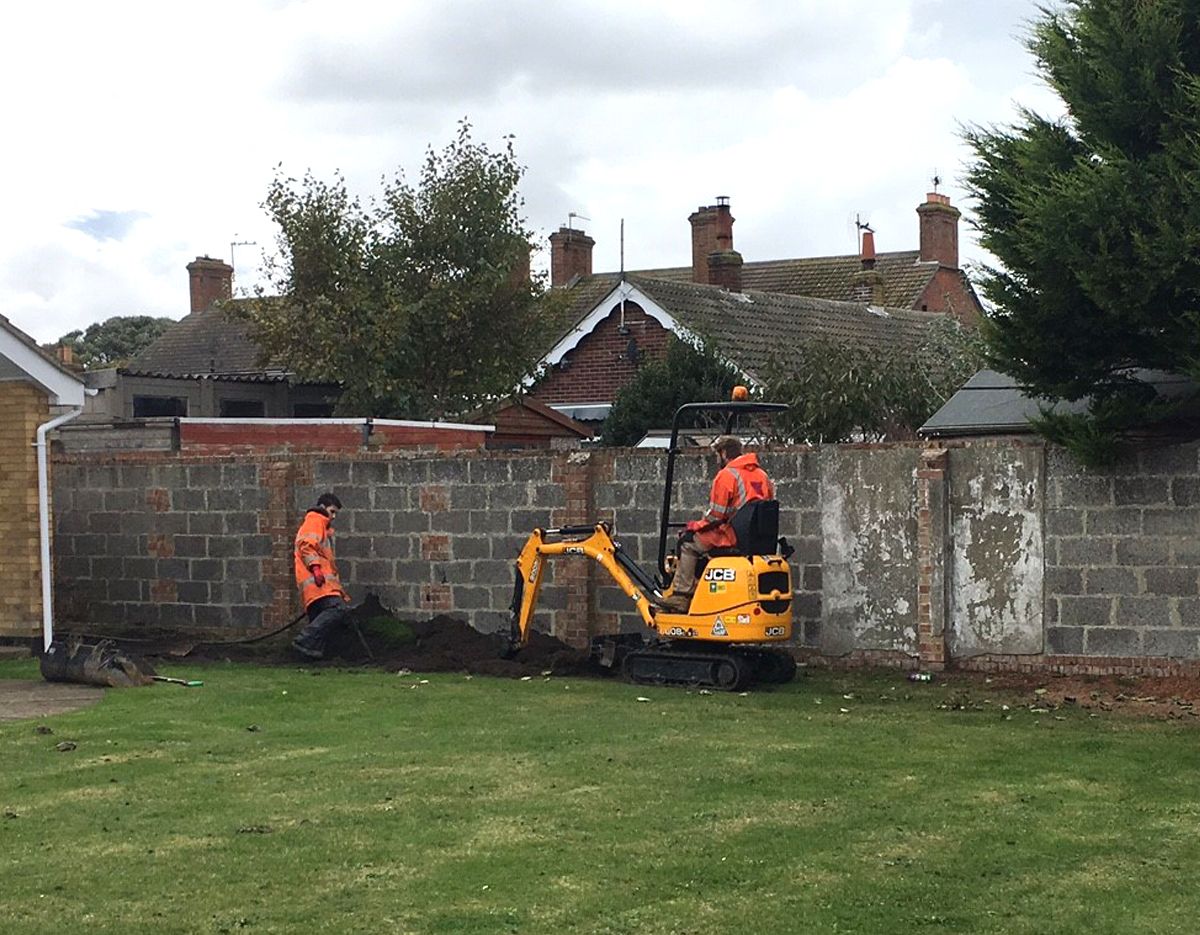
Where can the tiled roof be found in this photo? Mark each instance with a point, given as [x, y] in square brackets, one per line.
[826, 277]
[992, 403]
[208, 343]
[751, 327]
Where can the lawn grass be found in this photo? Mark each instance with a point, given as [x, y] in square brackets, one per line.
[274, 800]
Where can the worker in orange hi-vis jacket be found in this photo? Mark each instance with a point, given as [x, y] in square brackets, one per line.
[739, 481]
[324, 599]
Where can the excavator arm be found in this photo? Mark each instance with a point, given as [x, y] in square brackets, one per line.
[594, 542]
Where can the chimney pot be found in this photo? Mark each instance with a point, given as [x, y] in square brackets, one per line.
[868, 249]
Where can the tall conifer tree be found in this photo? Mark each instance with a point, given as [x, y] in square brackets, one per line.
[1095, 218]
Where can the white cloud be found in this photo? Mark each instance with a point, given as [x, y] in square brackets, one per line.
[804, 112]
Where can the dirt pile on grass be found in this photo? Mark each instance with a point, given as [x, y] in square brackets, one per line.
[377, 637]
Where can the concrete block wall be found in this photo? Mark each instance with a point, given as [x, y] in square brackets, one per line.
[991, 554]
[203, 545]
[25, 407]
[439, 535]
[155, 543]
[170, 541]
[1123, 556]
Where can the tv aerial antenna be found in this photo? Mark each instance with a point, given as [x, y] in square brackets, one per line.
[233, 245]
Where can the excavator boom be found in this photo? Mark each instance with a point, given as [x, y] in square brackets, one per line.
[594, 542]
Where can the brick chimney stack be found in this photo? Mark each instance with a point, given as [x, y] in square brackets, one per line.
[939, 230]
[712, 232]
[866, 286]
[725, 270]
[570, 255]
[210, 281]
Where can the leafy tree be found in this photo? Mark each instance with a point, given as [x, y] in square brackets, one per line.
[836, 392]
[685, 374]
[420, 304]
[843, 392]
[1095, 218]
[114, 341]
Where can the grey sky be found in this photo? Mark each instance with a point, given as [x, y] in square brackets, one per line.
[147, 133]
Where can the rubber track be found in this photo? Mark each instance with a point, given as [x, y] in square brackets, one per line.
[718, 671]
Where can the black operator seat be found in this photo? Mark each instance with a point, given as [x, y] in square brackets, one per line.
[756, 526]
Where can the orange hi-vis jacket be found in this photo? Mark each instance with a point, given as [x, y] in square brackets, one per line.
[737, 483]
[314, 546]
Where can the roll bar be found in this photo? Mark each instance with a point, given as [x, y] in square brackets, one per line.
[731, 411]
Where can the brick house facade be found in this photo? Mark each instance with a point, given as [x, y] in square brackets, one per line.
[31, 384]
[606, 359]
[25, 407]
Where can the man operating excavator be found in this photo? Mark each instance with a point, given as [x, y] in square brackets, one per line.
[739, 480]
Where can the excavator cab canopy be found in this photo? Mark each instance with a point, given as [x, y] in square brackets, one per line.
[686, 416]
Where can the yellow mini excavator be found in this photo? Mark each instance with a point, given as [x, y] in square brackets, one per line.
[739, 615]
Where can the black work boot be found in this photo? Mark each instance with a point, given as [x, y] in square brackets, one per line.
[312, 652]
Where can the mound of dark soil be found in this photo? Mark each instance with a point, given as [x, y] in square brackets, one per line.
[375, 637]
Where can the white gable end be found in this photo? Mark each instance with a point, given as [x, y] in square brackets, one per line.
[18, 361]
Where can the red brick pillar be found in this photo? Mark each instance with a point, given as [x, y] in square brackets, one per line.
[932, 538]
[436, 596]
[280, 479]
[574, 624]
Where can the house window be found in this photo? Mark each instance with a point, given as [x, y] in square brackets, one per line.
[312, 410]
[242, 409]
[148, 407]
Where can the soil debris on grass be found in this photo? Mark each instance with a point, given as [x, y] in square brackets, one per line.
[1161, 697]
[375, 637]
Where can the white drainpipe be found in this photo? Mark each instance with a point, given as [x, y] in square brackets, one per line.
[44, 522]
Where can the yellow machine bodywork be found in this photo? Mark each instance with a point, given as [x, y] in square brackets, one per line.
[732, 606]
[739, 599]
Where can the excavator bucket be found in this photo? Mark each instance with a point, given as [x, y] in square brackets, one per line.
[510, 637]
[100, 664]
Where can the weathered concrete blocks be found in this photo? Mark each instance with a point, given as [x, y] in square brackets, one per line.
[1112, 641]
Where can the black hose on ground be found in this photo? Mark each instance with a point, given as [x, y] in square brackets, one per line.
[242, 642]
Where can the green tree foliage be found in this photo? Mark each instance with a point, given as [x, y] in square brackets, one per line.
[419, 304]
[685, 374]
[1095, 218]
[114, 341]
[841, 392]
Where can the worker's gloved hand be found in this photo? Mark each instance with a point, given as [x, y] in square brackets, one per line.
[695, 525]
[318, 575]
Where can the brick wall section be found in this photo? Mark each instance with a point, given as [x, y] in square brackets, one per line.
[25, 407]
[947, 293]
[251, 439]
[599, 366]
[575, 477]
[1123, 556]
